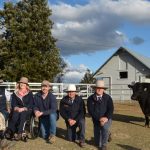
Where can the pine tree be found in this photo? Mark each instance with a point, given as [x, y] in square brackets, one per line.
[88, 77]
[27, 47]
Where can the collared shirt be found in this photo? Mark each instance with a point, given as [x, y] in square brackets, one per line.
[99, 98]
[71, 100]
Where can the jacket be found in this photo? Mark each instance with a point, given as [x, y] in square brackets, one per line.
[98, 109]
[47, 105]
[3, 105]
[75, 110]
[26, 101]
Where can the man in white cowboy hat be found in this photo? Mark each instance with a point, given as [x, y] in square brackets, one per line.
[100, 107]
[72, 109]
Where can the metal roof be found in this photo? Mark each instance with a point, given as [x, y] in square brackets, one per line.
[144, 60]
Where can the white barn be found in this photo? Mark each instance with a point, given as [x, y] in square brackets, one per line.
[122, 68]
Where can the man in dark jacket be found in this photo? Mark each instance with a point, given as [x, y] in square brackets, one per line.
[72, 109]
[3, 102]
[45, 108]
[100, 107]
[3, 110]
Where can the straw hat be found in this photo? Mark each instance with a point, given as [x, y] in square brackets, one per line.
[45, 83]
[23, 80]
[71, 88]
[100, 84]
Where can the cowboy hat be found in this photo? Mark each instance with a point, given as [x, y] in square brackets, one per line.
[100, 84]
[23, 80]
[71, 88]
[45, 83]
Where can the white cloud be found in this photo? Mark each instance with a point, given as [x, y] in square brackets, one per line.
[74, 74]
[92, 27]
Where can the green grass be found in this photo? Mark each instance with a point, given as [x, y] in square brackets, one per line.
[128, 133]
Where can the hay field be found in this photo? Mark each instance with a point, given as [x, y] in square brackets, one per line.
[128, 133]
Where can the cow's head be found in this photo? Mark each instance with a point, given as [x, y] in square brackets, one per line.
[139, 90]
[136, 90]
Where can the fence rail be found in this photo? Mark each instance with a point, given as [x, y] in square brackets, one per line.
[118, 92]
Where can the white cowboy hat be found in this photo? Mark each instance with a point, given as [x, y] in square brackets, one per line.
[71, 88]
[100, 84]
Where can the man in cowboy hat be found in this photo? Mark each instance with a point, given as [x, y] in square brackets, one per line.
[45, 108]
[72, 109]
[100, 107]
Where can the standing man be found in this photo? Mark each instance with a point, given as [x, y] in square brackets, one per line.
[45, 109]
[72, 109]
[100, 107]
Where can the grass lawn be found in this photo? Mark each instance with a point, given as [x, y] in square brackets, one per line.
[128, 133]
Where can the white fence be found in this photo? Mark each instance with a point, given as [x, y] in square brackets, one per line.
[118, 92]
[58, 89]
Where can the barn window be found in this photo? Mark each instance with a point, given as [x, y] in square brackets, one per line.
[123, 75]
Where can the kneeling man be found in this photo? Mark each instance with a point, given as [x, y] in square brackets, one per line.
[72, 109]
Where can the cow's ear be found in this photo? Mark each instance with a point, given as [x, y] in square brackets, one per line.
[130, 86]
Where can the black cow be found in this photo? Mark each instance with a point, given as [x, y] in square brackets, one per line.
[141, 93]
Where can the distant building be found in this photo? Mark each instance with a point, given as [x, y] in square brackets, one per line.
[122, 68]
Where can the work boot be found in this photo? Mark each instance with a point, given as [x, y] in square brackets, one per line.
[52, 139]
[18, 136]
[8, 134]
[104, 148]
[82, 144]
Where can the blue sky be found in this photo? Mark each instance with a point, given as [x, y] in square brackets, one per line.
[90, 31]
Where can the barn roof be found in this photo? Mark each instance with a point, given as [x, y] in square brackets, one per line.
[144, 60]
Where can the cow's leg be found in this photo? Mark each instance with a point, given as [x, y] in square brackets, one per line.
[146, 121]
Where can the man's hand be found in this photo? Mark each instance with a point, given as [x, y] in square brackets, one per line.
[20, 109]
[103, 120]
[38, 113]
[71, 122]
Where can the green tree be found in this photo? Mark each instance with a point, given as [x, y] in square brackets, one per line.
[27, 47]
[88, 77]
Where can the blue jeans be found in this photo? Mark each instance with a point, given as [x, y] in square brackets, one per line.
[48, 125]
[101, 133]
[72, 135]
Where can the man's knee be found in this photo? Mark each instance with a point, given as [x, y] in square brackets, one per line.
[53, 116]
[81, 122]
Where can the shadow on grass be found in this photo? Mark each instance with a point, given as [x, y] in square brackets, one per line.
[61, 133]
[127, 147]
[128, 119]
[90, 142]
